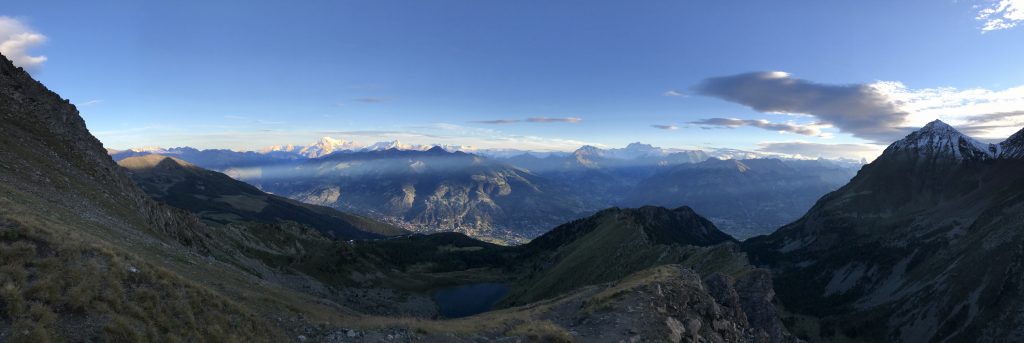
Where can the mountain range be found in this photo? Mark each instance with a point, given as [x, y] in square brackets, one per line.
[432, 190]
[485, 193]
[328, 145]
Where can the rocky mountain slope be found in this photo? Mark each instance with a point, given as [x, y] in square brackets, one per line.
[85, 254]
[647, 261]
[219, 198]
[668, 303]
[743, 197]
[924, 244]
[584, 181]
[431, 190]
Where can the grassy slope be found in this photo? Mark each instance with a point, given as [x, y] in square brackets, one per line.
[615, 243]
[58, 289]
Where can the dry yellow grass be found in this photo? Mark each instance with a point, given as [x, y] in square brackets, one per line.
[51, 287]
[541, 331]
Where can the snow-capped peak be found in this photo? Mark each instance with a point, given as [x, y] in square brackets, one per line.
[395, 144]
[637, 150]
[280, 148]
[938, 138]
[1013, 147]
[327, 145]
[149, 149]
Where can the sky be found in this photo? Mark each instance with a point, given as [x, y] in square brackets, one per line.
[814, 78]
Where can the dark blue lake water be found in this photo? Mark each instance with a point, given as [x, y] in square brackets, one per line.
[467, 300]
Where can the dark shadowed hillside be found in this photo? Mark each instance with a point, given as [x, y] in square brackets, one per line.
[219, 198]
[924, 244]
[612, 244]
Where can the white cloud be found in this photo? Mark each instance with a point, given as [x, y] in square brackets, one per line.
[554, 120]
[1001, 15]
[673, 93]
[816, 150]
[998, 110]
[572, 120]
[806, 130]
[857, 109]
[16, 39]
[372, 100]
[665, 126]
[881, 112]
[497, 121]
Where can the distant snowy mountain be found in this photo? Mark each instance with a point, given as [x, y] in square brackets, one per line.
[327, 145]
[398, 145]
[939, 140]
[925, 243]
[735, 154]
[636, 152]
[280, 148]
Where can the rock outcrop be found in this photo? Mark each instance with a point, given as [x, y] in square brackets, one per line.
[672, 304]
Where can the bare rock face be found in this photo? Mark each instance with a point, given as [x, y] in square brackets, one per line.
[672, 304]
[755, 293]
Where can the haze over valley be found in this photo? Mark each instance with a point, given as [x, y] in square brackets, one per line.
[510, 198]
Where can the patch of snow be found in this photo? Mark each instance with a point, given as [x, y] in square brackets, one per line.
[327, 145]
[939, 138]
[1013, 147]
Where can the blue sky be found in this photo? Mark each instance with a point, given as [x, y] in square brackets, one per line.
[244, 75]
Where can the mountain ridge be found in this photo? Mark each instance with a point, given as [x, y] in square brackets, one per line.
[219, 198]
[941, 139]
[70, 219]
[611, 244]
[1013, 146]
[923, 244]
